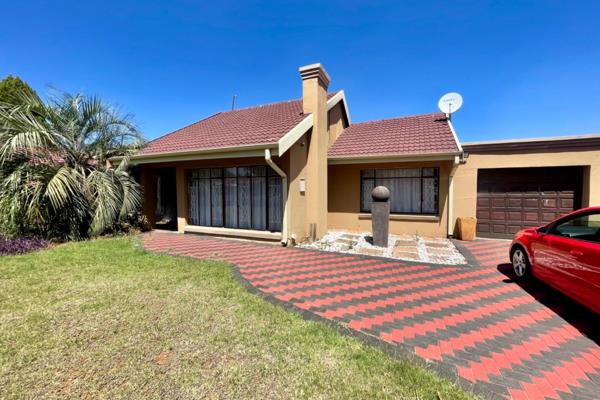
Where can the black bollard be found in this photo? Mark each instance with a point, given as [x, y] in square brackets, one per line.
[380, 215]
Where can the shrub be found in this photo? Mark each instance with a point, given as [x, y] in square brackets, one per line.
[21, 245]
[56, 175]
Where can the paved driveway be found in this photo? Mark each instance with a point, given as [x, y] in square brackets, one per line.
[472, 324]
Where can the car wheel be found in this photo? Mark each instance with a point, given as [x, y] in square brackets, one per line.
[520, 263]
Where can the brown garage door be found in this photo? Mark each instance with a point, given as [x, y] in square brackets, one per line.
[515, 198]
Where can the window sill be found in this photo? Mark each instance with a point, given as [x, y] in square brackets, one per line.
[406, 217]
[231, 232]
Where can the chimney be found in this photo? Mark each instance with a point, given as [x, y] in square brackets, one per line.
[315, 81]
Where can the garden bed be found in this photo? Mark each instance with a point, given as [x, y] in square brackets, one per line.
[402, 247]
[21, 245]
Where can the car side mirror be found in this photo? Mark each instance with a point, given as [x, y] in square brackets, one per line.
[543, 230]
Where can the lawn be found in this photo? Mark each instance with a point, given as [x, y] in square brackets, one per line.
[103, 319]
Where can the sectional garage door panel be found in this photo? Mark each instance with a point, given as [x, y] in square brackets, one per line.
[515, 198]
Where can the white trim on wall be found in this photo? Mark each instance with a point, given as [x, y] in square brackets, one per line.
[455, 136]
[339, 96]
[190, 156]
[294, 134]
[299, 130]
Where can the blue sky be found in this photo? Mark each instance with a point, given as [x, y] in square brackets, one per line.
[524, 68]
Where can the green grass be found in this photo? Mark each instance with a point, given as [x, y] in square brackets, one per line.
[102, 319]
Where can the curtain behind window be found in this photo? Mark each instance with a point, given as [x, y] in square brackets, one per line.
[244, 197]
[275, 203]
[199, 195]
[259, 200]
[231, 204]
[412, 190]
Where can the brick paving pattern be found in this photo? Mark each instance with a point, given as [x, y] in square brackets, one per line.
[497, 338]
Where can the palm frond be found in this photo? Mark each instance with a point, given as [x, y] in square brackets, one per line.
[53, 175]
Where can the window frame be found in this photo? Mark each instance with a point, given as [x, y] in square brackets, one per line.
[268, 174]
[421, 178]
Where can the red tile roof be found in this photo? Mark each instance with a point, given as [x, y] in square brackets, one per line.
[259, 125]
[419, 134]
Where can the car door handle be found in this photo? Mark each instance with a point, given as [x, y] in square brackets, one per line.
[576, 253]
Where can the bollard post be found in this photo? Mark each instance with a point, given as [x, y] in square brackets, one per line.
[380, 215]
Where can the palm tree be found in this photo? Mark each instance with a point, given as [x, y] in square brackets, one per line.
[55, 173]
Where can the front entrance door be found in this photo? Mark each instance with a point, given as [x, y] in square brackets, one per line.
[165, 215]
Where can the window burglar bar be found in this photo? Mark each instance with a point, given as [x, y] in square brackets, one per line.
[412, 190]
[236, 197]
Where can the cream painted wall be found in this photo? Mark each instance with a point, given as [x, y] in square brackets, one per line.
[314, 98]
[296, 169]
[465, 178]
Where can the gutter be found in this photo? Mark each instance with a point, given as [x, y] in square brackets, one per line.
[284, 236]
[591, 136]
[380, 158]
[246, 150]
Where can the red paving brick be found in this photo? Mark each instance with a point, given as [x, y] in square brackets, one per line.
[500, 338]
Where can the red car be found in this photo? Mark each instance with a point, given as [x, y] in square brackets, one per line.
[565, 254]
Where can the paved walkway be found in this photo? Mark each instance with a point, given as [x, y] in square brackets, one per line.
[485, 252]
[472, 324]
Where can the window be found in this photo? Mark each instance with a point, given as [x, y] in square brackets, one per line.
[412, 190]
[236, 197]
[582, 227]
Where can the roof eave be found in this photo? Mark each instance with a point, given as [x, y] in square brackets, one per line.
[539, 145]
[385, 158]
[455, 136]
[294, 134]
[251, 150]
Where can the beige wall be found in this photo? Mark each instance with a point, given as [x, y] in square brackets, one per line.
[294, 162]
[337, 122]
[314, 100]
[295, 167]
[465, 178]
[344, 201]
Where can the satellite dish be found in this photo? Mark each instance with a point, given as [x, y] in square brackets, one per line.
[450, 102]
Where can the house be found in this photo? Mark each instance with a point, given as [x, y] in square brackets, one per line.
[295, 169]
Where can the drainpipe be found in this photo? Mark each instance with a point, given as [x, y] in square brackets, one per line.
[284, 237]
[451, 195]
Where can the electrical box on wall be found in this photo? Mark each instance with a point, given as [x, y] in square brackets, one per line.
[302, 185]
